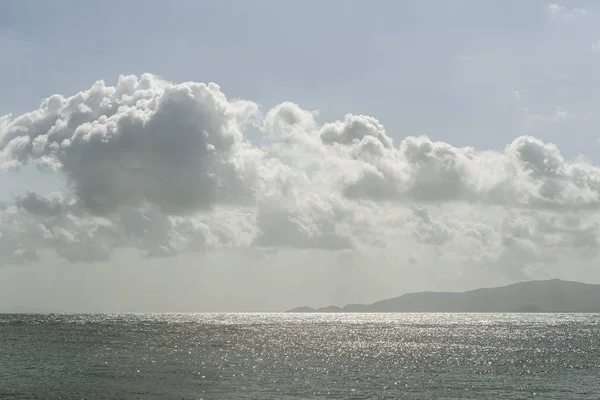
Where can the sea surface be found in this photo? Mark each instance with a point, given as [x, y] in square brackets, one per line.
[300, 356]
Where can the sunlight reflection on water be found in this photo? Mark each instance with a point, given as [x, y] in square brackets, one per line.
[293, 356]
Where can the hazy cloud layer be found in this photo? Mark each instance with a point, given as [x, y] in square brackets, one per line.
[167, 168]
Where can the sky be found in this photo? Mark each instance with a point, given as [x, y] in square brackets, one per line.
[202, 156]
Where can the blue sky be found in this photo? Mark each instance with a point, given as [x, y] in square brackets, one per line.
[445, 69]
[468, 73]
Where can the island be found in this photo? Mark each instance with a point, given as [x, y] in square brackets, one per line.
[550, 296]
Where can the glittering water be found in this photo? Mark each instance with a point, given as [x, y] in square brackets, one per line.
[300, 356]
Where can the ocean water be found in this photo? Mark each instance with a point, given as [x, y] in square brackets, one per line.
[300, 356]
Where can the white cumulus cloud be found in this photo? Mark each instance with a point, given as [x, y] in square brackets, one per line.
[166, 168]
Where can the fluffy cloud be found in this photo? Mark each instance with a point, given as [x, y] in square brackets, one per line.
[179, 147]
[167, 168]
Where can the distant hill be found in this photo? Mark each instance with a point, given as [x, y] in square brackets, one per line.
[553, 295]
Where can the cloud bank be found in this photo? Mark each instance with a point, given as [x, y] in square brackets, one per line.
[167, 168]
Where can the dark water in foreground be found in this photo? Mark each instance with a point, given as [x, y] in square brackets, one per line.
[292, 356]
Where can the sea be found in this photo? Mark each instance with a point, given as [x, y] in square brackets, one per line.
[300, 356]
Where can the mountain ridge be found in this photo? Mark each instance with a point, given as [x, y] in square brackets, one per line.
[553, 295]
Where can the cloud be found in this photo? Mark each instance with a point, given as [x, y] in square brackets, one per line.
[167, 168]
[287, 121]
[179, 147]
[559, 11]
[37, 205]
[353, 129]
